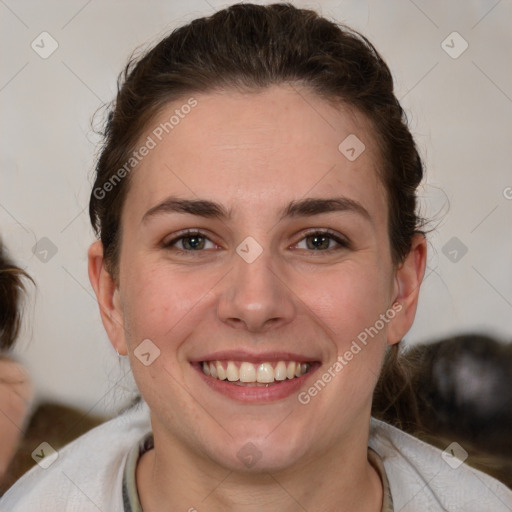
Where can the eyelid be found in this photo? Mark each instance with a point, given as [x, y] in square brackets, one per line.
[340, 239]
[176, 237]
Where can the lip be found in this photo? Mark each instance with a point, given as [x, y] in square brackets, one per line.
[251, 357]
[256, 394]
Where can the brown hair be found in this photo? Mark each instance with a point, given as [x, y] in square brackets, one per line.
[250, 47]
[11, 292]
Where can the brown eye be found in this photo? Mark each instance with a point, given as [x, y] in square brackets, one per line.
[190, 241]
[193, 242]
[322, 241]
[318, 241]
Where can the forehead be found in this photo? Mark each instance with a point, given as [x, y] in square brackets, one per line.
[255, 149]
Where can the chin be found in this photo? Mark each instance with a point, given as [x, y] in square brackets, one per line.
[259, 454]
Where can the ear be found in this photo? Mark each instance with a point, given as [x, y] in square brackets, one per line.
[107, 294]
[408, 278]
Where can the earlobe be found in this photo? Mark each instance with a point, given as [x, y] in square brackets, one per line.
[107, 294]
[408, 278]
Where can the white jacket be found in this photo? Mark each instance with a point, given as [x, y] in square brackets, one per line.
[87, 474]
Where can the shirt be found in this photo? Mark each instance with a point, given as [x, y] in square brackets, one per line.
[131, 500]
[88, 473]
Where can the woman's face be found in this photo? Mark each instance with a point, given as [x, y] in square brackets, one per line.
[286, 265]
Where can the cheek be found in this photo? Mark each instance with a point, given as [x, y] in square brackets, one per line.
[161, 304]
[350, 304]
[350, 299]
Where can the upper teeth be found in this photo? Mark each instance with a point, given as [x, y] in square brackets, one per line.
[248, 372]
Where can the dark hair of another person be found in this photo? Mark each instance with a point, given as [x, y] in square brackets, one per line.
[249, 48]
[11, 292]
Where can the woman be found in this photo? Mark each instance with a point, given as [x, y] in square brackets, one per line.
[259, 255]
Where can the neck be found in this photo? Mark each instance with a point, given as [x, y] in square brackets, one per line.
[340, 480]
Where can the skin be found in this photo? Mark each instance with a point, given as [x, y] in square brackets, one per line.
[254, 154]
[16, 393]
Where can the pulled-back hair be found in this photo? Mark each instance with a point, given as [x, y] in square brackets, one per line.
[248, 48]
[251, 47]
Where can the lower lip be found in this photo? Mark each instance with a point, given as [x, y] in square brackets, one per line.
[257, 394]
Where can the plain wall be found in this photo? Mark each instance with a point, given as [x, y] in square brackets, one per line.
[460, 111]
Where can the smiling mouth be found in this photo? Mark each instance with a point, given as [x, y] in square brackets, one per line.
[243, 373]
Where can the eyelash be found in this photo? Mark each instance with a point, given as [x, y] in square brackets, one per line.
[342, 242]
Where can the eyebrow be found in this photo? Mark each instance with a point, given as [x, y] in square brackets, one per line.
[307, 207]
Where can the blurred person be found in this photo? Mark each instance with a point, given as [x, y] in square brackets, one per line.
[15, 386]
[463, 393]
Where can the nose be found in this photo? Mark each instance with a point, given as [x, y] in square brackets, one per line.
[255, 296]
